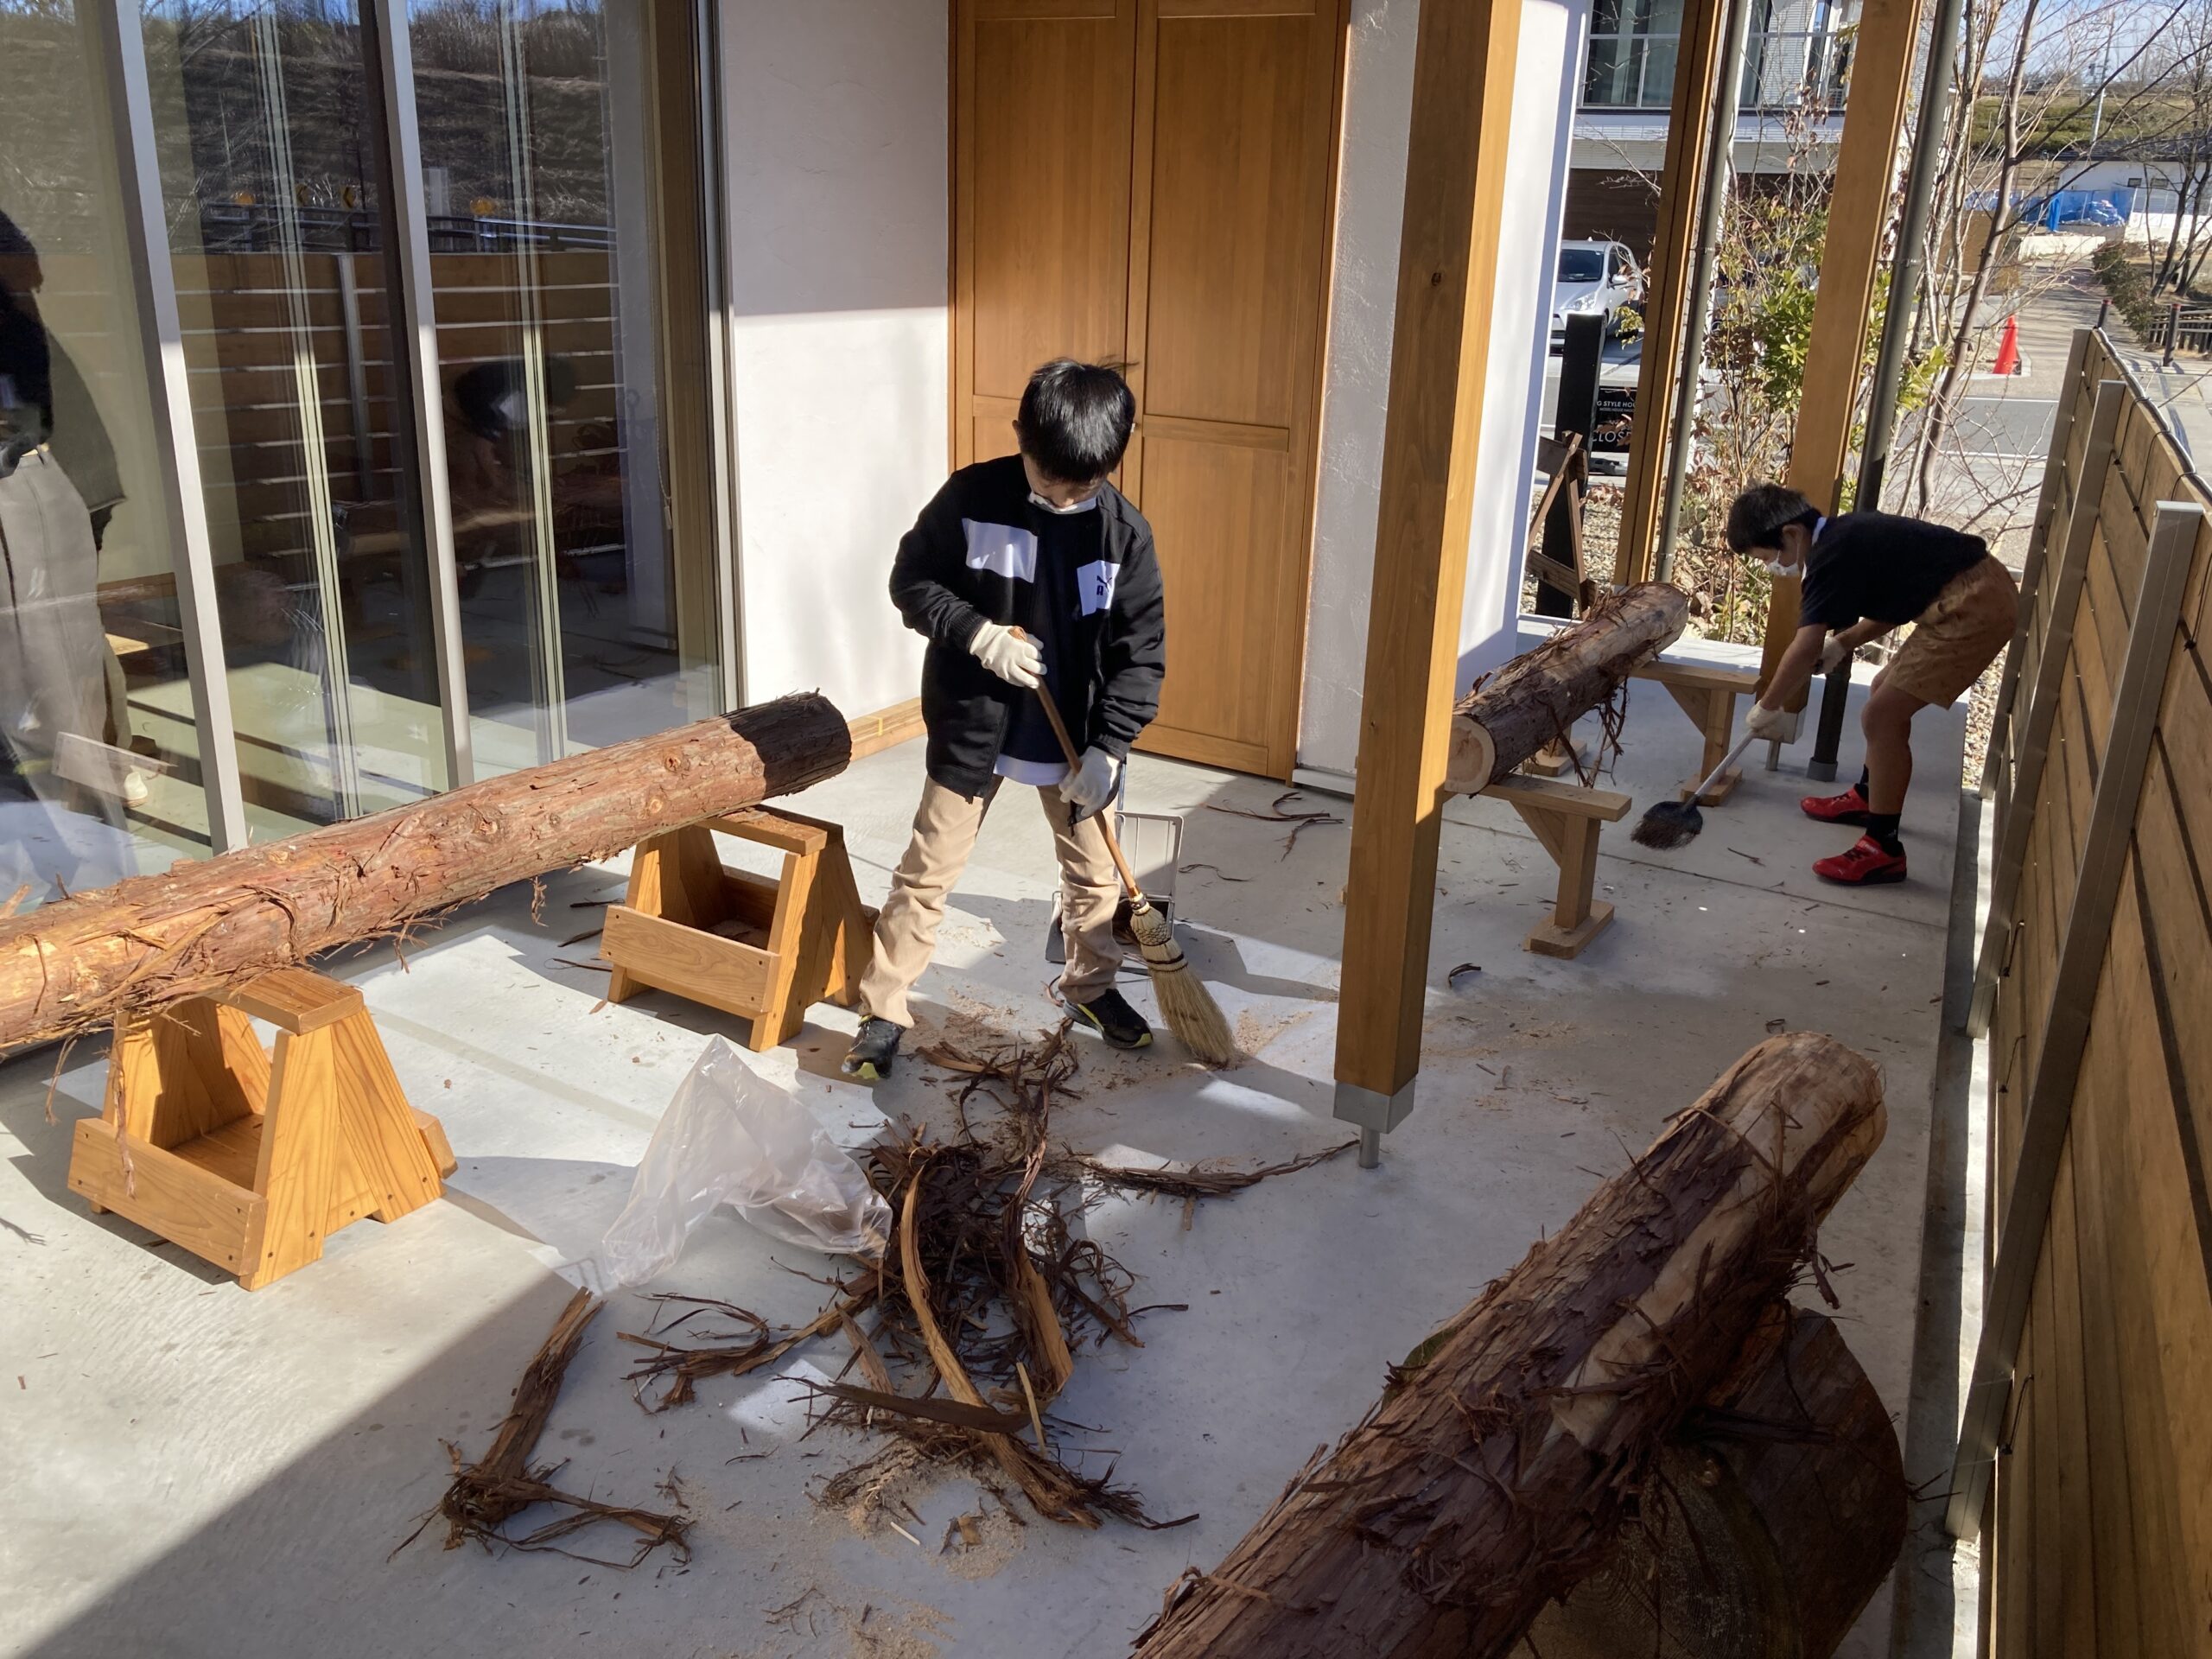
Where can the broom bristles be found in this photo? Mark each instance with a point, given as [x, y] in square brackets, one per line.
[1669, 823]
[1187, 1005]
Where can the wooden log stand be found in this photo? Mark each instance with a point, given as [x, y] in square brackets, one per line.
[764, 949]
[1708, 694]
[1564, 817]
[248, 1159]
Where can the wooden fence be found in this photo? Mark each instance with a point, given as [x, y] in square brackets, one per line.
[2086, 1454]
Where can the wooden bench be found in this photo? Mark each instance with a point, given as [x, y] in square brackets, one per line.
[1707, 694]
[1564, 818]
[250, 1158]
[764, 948]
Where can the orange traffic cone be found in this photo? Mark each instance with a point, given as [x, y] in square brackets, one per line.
[2008, 348]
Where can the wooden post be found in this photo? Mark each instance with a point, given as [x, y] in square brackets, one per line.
[1859, 214]
[1689, 126]
[1463, 62]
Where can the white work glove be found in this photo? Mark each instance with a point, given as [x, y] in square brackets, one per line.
[1764, 722]
[1013, 658]
[1834, 655]
[1091, 786]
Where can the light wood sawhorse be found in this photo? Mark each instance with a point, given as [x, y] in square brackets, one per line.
[1707, 694]
[1565, 818]
[248, 1159]
[764, 948]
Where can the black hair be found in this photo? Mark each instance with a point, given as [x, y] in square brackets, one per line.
[1760, 514]
[13, 241]
[1075, 420]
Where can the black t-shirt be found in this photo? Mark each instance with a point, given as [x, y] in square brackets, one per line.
[1882, 566]
[1066, 543]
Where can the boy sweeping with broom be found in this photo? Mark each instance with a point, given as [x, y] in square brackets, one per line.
[1866, 573]
[1026, 572]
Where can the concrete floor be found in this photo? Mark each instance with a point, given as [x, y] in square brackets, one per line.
[195, 1471]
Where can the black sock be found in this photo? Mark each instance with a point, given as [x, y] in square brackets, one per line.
[1865, 779]
[1883, 827]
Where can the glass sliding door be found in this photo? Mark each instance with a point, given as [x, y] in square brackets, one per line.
[267, 124]
[564, 185]
[97, 780]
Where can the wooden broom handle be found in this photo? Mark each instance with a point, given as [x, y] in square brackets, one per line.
[1075, 764]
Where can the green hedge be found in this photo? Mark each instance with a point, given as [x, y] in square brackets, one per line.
[2129, 289]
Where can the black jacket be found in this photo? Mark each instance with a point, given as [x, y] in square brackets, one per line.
[953, 575]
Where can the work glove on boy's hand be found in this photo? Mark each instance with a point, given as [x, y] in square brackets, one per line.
[1091, 786]
[1834, 655]
[1014, 658]
[1764, 722]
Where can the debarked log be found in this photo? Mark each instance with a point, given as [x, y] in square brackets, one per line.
[1495, 1471]
[79, 962]
[1542, 693]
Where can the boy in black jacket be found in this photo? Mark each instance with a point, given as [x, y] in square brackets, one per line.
[1042, 543]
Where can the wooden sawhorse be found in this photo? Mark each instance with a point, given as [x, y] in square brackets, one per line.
[248, 1159]
[1707, 694]
[764, 949]
[1564, 817]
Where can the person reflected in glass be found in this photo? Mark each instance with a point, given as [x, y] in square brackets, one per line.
[53, 689]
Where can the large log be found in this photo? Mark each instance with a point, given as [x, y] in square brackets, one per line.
[1542, 693]
[76, 963]
[1772, 1518]
[1495, 1471]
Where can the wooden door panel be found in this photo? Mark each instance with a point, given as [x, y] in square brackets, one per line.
[1148, 182]
[1231, 617]
[1238, 160]
[1231, 216]
[1046, 101]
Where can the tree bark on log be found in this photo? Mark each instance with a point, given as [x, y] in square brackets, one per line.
[1494, 1472]
[1770, 1519]
[76, 963]
[1542, 693]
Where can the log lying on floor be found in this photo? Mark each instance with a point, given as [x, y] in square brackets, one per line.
[78, 963]
[1493, 1474]
[1773, 1517]
[1542, 693]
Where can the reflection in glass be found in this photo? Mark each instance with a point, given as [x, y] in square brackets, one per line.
[96, 779]
[561, 172]
[265, 124]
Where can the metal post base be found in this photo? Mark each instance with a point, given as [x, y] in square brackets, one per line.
[1820, 771]
[1375, 1114]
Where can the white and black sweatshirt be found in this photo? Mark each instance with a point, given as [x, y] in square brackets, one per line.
[1085, 585]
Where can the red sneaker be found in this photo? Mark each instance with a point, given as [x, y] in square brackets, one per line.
[1850, 807]
[1866, 864]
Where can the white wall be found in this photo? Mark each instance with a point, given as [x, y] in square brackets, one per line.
[1370, 205]
[836, 115]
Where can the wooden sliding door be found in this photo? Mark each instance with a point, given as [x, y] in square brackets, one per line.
[1150, 182]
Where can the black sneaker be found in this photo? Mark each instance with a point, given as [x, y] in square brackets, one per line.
[875, 1047]
[1109, 1015]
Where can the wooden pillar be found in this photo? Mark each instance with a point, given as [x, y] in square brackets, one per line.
[1447, 278]
[1859, 214]
[1689, 126]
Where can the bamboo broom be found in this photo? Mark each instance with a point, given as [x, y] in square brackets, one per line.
[1187, 1005]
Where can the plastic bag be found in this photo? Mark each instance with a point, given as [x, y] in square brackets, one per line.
[731, 1137]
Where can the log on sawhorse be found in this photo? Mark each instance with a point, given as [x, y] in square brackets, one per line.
[1564, 819]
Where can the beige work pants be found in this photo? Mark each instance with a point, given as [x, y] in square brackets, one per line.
[945, 825]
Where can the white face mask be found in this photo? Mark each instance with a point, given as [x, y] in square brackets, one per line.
[1084, 506]
[1779, 567]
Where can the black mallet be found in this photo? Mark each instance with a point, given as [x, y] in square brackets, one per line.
[1670, 823]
